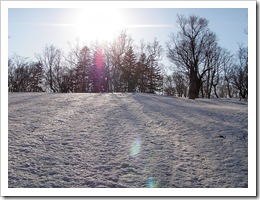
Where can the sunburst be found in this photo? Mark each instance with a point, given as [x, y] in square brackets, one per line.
[99, 23]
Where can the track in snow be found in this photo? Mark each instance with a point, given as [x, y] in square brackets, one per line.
[126, 140]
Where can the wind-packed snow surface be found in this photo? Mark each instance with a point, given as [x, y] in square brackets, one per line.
[126, 140]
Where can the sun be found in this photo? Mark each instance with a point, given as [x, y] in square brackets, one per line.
[99, 24]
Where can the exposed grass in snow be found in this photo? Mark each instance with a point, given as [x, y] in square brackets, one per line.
[126, 140]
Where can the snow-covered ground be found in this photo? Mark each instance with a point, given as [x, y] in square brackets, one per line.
[126, 140]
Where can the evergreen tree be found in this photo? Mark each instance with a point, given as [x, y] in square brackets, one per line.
[36, 77]
[142, 71]
[129, 71]
[155, 79]
[82, 79]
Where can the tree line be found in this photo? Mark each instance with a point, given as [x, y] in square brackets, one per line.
[115, 67]
[208, 68]
[201, 67]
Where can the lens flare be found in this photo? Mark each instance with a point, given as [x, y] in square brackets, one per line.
[99, 59]
[135, 148]
[152, 182]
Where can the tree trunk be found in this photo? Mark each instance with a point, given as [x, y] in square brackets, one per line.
[198, 85]
[201, 90]
[208, 85]
[194, 86]
[229, 91]
[51, 81]
[215, 90]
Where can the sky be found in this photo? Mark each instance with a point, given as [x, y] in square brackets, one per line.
[31, 29]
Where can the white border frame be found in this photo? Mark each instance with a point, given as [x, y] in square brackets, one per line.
[250, 191]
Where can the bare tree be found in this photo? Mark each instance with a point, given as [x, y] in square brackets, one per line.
[51, 60]
[11, 75]
[227, 59]
[118, 48]
[180, 82]
[211, 66]
[240, 72]
[18, 74]
[187, 50]
[169, 88]
[24, 76]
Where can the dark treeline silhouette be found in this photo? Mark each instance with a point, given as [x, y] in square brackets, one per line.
[201, 67]
[113, 67]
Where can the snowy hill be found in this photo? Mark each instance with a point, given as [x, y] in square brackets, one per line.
[126, 140]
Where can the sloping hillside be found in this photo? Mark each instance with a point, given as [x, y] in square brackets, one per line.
[126, 140]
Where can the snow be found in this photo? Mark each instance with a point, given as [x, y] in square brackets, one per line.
[128, 140]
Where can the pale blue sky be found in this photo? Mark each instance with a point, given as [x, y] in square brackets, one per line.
[31, 29]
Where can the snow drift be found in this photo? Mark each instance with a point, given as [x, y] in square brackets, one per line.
[126, 140]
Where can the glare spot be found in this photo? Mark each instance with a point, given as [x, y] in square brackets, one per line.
[152, 182]
[98, 23]
[135, 148]
[99, 59]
